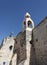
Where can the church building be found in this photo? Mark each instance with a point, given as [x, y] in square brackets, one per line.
[29, 47]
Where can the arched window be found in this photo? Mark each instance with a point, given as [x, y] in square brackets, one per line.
[30, 41]
[11, 47]
[29, 24]
[24, 24]
[3, 63]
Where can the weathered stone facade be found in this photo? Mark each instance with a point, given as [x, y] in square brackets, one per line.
[29, 47]
[40, 42]
[6, 51]
[20, 47]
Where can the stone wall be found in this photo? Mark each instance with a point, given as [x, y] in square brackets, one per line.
[20, 47]
[40, 43]
[6, 51]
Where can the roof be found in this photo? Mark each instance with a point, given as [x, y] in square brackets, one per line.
[41, 22]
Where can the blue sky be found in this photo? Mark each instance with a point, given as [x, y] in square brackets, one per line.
[12, 14]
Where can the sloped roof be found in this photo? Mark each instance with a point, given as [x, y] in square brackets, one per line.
[41, 22]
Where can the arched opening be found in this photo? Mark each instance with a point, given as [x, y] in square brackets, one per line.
[11, 47]
[30, 41]
[24, 25]
[29, 24]
[3, 63]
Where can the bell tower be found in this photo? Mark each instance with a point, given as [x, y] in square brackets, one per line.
[28, 26]
[28, 23]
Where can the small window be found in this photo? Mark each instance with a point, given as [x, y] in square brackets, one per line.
[10, 47]
[3, 63]
[30, 42]
[36, 40]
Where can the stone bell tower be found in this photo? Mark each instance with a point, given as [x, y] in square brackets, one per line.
[28, 26]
